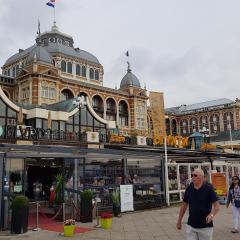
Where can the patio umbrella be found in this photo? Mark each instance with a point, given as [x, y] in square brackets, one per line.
[49, 123]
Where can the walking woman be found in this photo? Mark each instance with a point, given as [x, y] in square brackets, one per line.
[234, 199]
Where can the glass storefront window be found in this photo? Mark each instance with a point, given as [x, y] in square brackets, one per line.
[183, 171]
[2, 108]
[172, 178]
[2, 126]
[38, 123]
[14, 172]
[11, 113]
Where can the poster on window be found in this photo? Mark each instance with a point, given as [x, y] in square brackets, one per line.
[126, 196]
[219, 183]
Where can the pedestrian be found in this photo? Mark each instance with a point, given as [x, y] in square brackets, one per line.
[203, 206]
[234, 199]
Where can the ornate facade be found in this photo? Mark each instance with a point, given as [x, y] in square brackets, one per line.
[54, 71]
[217, 117]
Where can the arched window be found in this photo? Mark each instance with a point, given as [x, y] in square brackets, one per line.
[96, 75]
[97, 104]
[69, 67]
[83, 71]
[111, 109]
[214, 123]
[66, 94]
[167, 122]
[193, 125]
[91, 73]
[78, 70]
[123, 113]
[13, 72]
[228, 121]
[63, 66]
[184, 127]
[174, 127]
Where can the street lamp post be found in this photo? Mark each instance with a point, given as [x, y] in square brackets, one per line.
[80, 103]
[205, 133]
[230, 130]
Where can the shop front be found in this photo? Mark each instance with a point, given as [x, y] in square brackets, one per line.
[34, 170]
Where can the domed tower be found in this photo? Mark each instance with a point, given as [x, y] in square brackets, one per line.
[130, 80]
[43, 71]
[137, 102]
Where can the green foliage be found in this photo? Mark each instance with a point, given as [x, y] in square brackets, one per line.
[86, 194]
[20, 202]
[59, 188]
[116, 197]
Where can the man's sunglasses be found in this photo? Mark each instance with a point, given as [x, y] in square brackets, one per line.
[235, 179]
[194, 175]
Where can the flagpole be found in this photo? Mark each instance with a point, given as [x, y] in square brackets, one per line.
[54, 16]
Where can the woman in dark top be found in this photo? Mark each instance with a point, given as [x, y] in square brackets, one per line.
[234, 194]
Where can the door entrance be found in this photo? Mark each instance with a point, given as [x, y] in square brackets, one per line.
[41, 175]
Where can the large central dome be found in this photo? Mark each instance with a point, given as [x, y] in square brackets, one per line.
[130, 80]
[55, 42]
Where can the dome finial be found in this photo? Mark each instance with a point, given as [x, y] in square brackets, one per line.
[128, 63]
[129, 68]
[54, 27]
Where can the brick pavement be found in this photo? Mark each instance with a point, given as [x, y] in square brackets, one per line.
[146, 225]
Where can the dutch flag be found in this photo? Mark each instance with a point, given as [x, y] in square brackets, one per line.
[51, 3]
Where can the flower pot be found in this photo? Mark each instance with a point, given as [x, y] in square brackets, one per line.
[116, 210]
[106, 223]
[86, 210]
[69, 230]
[19, 223]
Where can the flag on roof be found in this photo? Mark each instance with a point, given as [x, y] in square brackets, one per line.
[51, 3]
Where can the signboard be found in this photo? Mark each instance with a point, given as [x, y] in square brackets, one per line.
[92, 137]
[219, 182]
[141, 140]
[126, 196]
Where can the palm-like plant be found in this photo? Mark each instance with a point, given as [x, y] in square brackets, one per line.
[59, 188]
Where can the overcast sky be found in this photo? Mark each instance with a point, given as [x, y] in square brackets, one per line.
[188, 49]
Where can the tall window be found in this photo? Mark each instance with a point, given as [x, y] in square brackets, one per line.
[69, 67]
[48, 92]
[83, 71]
[63, 66]
[96, 75]
[78, 70]
[91, 73]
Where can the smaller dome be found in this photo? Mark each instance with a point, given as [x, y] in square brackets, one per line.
[130, 80]
[39, 54]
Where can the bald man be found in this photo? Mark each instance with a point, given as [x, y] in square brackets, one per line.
[203, 206]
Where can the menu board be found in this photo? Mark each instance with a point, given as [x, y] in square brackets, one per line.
[126, 196]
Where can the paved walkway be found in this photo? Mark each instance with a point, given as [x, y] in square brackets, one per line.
[146, 225]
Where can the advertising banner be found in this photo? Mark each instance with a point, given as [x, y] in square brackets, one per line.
[219, 182]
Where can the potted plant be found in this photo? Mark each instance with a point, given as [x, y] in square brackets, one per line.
[86, 206]
[59, 189]
[58, 195]
[20, 209]
[69, 226]
[116, 203]
[106, 220]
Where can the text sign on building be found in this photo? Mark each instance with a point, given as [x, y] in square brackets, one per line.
[126, 196]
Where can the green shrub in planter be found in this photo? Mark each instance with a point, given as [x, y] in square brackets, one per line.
[20, 209]
[86, 206]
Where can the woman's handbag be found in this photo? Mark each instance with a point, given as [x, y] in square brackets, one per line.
[237, 203]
